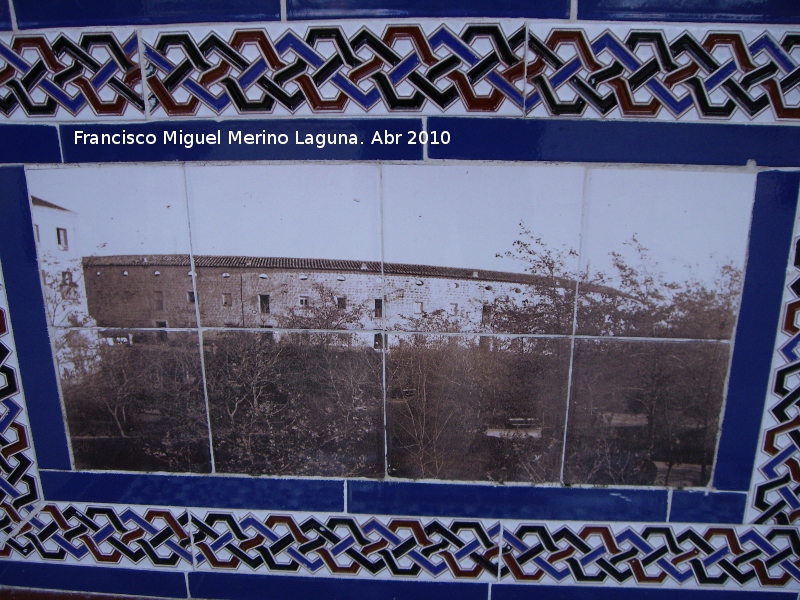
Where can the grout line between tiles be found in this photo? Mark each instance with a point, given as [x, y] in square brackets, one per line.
[525, 69]
[384, 336]
[190, 527]
[284, 12]
[573, 10]
[143, 73]
[407, 332]
[344, 487]
[186, 576]
[13, 14]
[669, 504]
[197, 316]
[60, 143]
[425, 145]
[37, 508]
[499, 556]
[581, 238]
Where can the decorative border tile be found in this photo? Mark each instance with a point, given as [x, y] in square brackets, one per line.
[66, 74]
[397, 68]
[461, 549]
[418, 548]
[776, 485]
[590, 72]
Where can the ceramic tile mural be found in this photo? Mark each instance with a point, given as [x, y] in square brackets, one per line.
[478, 305]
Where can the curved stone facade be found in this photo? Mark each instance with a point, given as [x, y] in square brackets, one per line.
[157, 291]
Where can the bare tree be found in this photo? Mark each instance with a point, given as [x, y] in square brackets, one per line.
[304, 404]
[324, 311]
[138, 406]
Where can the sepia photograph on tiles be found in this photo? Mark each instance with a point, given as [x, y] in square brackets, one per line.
[126, 346]
[508, 323]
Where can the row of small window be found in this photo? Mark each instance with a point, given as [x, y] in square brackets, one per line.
[304, 301]
[61, 237]
[263, 302]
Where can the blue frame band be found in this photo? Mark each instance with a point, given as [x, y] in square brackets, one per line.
[775, 203]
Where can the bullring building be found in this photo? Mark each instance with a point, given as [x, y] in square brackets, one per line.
[135, 291]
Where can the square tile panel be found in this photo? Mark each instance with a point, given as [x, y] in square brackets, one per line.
[303, 403]
[476, 408]
[113, 246]
[663, 253]
[134, 399]
[644, 412]
[479, 248]
[619, 556]
[271, 251]
[665, 72]
[119, 536]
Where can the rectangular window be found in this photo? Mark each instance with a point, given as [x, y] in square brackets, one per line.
[263, 303]
[61, 237]
[36, 231]
[417, 308]
[304, 301]
[66, 278]
[227, 300]
[341, 302]
[190, 297]
[158, 302]
[486, 314]
[378, 342]
[162, 335]
[378, 308]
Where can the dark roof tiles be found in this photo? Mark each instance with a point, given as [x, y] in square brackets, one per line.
[45, 204]
[316, 264]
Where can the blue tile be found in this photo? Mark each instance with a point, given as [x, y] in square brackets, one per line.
[614, 592]
[615, 141]
[748, 11]
[267, 587]
[27, 312]
[501, 502]
[32, 14]
[133, 582]
[714, 507]
[351, 9]
[191, 490]
[166, 148]
[5, 16]
[29, 144]
[768, 254]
